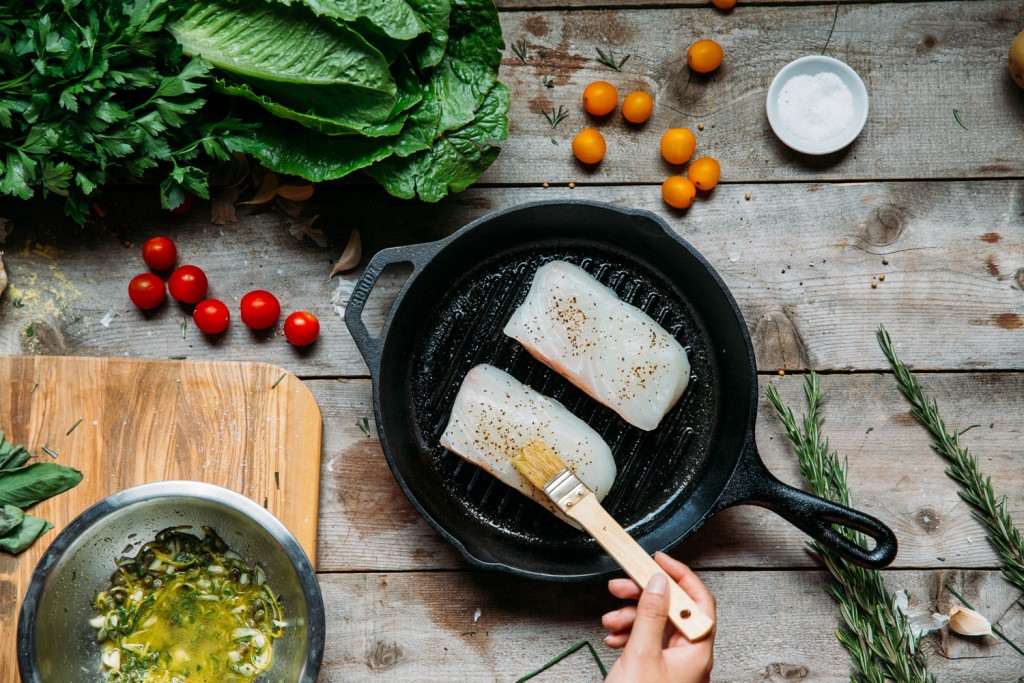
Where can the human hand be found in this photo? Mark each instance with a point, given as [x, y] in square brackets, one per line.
[654, 651]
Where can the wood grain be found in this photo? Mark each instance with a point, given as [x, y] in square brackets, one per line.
[144, 421]
[798, 258]
[919, 61]
[772, 627]
[367, 524]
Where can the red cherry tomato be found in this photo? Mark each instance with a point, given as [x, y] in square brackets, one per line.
[159, 253]
[301, 328]
[188, 284]
[260, 309]
[146, 291]
[185, 206]
[211, 316]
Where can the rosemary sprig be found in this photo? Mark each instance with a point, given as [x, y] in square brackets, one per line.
[563, 655]
[877, 636]
[553, 117]
[975, 488]
[364, 424]
[995, 629]
[610, 60]
[521, 51]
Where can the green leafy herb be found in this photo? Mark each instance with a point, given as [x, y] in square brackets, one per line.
[520, 49]
[563, 655]
[22, 536]
[553, 117]
[28, 485]
[610, 60]
[878, 637]
[975, 488]
[12, 455]
[91, 91]
[10, 517]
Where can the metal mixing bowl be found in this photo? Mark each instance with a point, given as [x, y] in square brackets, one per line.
[56, 643]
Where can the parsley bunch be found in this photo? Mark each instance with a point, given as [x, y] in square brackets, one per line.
[92, 90]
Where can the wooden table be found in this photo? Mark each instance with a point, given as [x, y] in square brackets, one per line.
[940, 201]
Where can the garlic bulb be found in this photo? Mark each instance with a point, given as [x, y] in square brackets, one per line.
[967, 622]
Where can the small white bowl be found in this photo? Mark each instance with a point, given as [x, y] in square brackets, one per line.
[810, 66]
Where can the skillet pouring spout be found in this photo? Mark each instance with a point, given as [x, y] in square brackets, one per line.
[753, 484]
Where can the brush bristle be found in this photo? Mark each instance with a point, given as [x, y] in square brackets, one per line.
[538, 462]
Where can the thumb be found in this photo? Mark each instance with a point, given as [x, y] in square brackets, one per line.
[648, 630]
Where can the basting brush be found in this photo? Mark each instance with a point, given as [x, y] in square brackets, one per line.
[544, 469]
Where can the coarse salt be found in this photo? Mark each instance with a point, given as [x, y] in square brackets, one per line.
[817, 107]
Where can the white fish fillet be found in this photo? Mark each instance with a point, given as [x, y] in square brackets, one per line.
[611, 350]
[495, 415]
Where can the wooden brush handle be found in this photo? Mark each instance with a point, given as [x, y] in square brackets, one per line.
[684, 613]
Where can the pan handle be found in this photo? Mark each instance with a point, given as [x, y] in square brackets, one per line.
[371, 347]
[753, 484]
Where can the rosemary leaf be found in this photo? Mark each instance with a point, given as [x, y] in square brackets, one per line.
[975, 488]
[555, 117]
[521, 51]
[364, 424]
[956, 115]
[610, 60]
[877, 636]
[278, 380]
[74, 426]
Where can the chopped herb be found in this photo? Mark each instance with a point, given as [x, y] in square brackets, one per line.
[553, 117]
[364, 424]
[611, 60]
[520, 49]
[19, 303]
[48, 451]
[30, 331]
[563, 655]
[177, 357]
[73, 427]
[548, 82]
[554, 141]
[277, 480]
[184, 325]
[278, 380]
[265, 502]
[34, 388]
[956, 115]
[870, 429]
[542, 53]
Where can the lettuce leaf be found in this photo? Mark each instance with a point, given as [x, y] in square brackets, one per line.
[455, 160]
[289, 54]
[436, 14]
[393, 18]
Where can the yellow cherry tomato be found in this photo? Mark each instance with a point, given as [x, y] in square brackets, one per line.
[678, 191]
[637, 107]
[588, 146]
[704, 56]
[600, 98]
[704, 173]
[677, 145]
[724, 4]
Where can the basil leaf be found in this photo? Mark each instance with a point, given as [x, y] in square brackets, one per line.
[12, 455]
[22, 536]
[10, 517]
[26, 486]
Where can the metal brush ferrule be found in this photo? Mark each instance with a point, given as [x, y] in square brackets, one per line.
[565, 489]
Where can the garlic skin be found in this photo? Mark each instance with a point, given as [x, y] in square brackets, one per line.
[351, 257]
[967, 622]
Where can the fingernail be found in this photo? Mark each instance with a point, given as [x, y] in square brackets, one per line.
[658, 585]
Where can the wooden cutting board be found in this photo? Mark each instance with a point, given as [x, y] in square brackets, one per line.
[143, 421]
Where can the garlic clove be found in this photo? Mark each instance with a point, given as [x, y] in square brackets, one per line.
[351, 257]
[967, 622]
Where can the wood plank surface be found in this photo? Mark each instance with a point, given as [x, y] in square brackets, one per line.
[411, 627]
[798, 258]
[919, 61]
[367, 524]
[144, 421]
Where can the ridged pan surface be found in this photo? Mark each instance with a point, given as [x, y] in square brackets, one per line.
[656, 469]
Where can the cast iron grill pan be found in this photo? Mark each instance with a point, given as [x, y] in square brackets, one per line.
[655, 468]
[702, 458]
